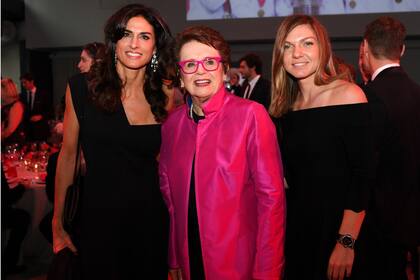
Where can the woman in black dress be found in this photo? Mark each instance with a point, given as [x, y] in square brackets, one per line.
[12, 110]
[91, 53]
[115, 112]
[322, 121]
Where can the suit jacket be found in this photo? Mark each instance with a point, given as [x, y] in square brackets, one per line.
[261, 93]
[395, 101]
[41, 106]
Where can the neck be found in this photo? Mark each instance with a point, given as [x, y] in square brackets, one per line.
[252, 77]
[307, 87]
[375, 64]
[197, 106]
[309, 91]
[132, 80]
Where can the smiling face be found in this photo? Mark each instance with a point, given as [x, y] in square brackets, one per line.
[301, 52]
[85, 62]
[135, 49]
[202, 84]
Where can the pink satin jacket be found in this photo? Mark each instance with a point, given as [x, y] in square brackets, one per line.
[239, 188]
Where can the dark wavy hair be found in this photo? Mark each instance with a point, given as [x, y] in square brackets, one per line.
[95, 50]
[105, 85]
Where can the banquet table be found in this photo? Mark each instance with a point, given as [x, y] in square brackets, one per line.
[34, 201]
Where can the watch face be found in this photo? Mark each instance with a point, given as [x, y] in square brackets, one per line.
[347, 241]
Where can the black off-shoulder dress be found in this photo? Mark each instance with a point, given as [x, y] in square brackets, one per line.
[328, 161]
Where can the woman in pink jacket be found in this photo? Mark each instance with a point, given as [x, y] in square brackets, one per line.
[221, 173]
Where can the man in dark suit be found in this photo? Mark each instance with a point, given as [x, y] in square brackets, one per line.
[254, 87]
[395, 102]
[37, 109]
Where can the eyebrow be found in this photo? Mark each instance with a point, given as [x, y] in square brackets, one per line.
[141, 33]
[303, 39]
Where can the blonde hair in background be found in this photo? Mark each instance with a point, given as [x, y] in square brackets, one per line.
[284, 89]
[9, 90]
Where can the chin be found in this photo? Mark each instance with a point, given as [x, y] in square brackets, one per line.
[302, 76]
[202, 97]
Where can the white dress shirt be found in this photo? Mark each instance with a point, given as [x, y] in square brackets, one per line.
[251, 84]
[382, 68]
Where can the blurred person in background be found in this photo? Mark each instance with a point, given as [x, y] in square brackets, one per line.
[255, 87]
[90, 54]
[38, 108]
[346, 70]
[394, 99]
[365, 73]
[12, 112]
[233, 85]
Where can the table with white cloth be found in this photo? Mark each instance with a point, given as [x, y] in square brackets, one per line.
[35, 247]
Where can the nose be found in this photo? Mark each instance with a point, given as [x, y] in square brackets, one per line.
[134, 42]
[200, 67]
[297, 51]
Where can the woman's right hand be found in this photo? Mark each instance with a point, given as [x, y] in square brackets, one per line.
[175, 274]
[61, 239]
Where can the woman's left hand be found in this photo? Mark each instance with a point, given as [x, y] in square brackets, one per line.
[340, 263]
[36, 118]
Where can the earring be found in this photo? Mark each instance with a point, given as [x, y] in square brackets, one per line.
[115, 58]
[154, 62]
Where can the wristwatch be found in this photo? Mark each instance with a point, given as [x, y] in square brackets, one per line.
[346, 240]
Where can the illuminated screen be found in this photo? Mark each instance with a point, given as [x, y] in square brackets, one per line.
[225, 9]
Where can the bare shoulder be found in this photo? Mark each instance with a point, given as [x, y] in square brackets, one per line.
[18, 105]
[343, 92]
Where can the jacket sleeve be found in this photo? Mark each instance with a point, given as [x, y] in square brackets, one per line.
[166, 193]
[267, 173]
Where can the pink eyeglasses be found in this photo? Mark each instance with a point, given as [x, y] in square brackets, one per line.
[191, 66]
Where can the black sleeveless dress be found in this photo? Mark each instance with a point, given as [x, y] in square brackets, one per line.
[328, 162]
[18, 136]
[124, 218]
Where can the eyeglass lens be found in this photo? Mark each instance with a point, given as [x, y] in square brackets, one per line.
[191, 66]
